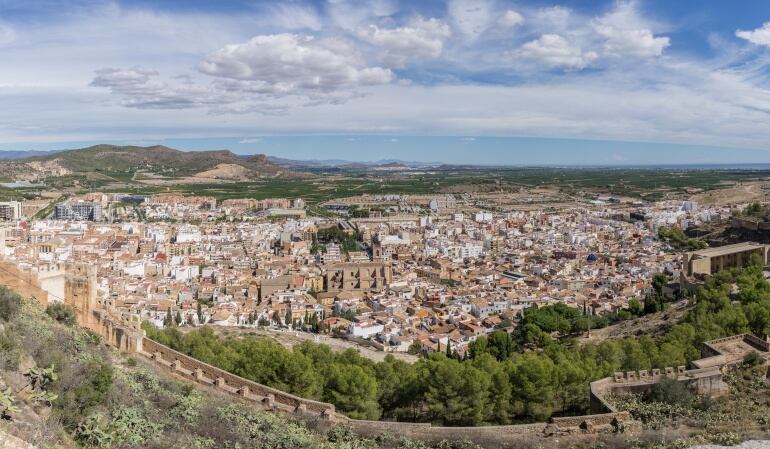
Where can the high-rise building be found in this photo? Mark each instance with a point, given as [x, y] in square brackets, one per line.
[78, 211]
[10, 210]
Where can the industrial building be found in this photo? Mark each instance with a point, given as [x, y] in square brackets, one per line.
[712, 260]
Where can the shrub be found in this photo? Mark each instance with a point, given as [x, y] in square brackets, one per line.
[752, 359]
[670, 391]
[10, 303]
[10, 350]
[61, 313]
[81, 388]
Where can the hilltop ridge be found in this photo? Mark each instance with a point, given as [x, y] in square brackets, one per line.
[112, 157]
[156, 164]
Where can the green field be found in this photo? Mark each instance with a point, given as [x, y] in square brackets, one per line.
[647, 184]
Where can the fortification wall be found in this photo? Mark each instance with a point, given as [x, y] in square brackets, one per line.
[491, 436]
[742, 223]
[205, 374]
[24, 282]
[703, 381]
[267, 398]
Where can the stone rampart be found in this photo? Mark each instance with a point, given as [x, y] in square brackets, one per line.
[703, 381]
[492, 436]
[22, 281]
[748, 224]
[205, 374]
[267, 398]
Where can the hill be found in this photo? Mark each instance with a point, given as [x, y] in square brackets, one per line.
[101, 165]
[157, 158]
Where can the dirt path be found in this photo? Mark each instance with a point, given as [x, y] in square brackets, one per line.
[652, 325]
[289, 339]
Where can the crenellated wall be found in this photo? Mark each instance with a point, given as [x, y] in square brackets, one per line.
[23, 281]
[202, 373]
[703, 381]
[267, 398]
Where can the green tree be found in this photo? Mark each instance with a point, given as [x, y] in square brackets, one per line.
[456, 393]
[353, 390]
[478, 346]
[635, 307]
[534, 378]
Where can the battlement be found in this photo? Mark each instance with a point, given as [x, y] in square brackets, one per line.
[267, 398]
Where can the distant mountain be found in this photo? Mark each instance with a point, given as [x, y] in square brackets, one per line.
[23, 154]
[382, 164]
[291, 163]
[153, 158]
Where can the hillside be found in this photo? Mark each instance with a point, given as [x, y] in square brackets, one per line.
[157, 165]
[155, 158]
[61, 388]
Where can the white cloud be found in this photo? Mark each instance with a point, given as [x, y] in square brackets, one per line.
[292, 64]
[289, 16]
[510, 19]
[759, 36]
[352, 14]
[419, 39]
[641, 43]
[627, 34]
[552, 19]
[682, 99]
[471, 17]
[383, 8]
[140, 88]
[555, 51]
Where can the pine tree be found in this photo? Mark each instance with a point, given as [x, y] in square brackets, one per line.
[178, 318]
[200, 314]
[288, 319]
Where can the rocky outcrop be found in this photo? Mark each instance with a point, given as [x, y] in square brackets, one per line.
[11, 442]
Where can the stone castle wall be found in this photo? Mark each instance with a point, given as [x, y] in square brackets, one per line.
[23, 282]
[267, 398]
[202, 373]
[702, 381]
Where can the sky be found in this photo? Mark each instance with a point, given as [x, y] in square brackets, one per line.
[460, 81]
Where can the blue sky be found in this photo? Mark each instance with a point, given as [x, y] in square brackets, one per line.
[462, 81]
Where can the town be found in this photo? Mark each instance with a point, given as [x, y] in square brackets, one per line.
[393, 273]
